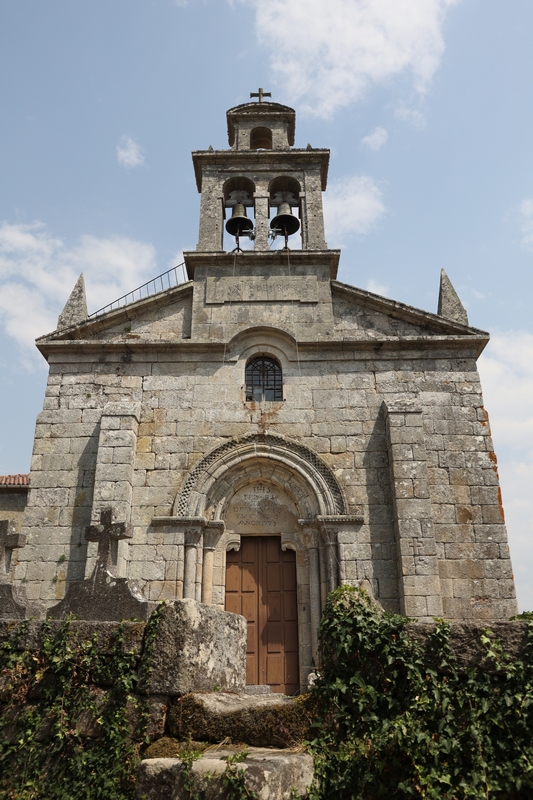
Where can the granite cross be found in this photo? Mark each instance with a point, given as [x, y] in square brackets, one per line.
[9, 540]
[107, 534]
[260, 94]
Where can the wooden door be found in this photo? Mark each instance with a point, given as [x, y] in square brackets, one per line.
[261, 585]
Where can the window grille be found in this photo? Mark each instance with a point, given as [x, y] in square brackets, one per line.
[263, 379]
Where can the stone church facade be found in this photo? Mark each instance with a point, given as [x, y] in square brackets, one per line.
[263, 432]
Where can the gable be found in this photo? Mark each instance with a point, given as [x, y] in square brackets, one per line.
[362, 315]
[162, 317]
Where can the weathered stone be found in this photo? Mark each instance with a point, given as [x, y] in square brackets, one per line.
[104, 634]
[103, 598]
[260, 720]
[271, 774]
[450, 305]
[13, 603]
[150, 711]
[159, 779]
[75, 310]
[196, 648]
[465, 639]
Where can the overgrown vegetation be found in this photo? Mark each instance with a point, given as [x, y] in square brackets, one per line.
[402, 720]
[66, 716]
[394, 718]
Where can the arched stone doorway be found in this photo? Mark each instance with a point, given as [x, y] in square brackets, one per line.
[263, 486]
[261, 581]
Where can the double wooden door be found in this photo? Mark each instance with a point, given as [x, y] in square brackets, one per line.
[261, 585]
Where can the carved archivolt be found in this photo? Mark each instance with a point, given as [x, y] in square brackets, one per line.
[275, 458]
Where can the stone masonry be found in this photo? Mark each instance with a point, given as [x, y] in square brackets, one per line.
[377, 466]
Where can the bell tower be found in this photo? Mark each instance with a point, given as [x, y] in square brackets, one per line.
[262, 187]
[261, 258]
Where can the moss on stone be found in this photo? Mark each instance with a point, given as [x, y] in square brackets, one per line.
[168, 747]
[282, 725]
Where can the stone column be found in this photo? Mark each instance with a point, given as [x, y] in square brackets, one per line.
[311, 538]
[262, 227]
[211, 231]
[212, 534]
[113, 479]
[420, 594]
[313, 214]
[193, 542]
[330, 549]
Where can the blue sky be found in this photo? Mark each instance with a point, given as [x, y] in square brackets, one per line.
[426, 106]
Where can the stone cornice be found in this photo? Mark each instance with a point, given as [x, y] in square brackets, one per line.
[250, 258]
[345, 349]
[270, 160]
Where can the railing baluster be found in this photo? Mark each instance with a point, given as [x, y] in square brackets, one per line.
[149, 288]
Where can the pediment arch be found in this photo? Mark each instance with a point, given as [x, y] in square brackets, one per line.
[273, 458]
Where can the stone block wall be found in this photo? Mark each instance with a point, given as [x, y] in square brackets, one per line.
[191, 402]
[12, 504]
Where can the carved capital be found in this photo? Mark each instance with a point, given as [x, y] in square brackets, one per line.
[309, 532]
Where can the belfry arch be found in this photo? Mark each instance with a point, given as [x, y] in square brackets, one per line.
[264, 485]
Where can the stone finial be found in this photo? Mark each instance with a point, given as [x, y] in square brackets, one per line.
[75, 310]
[450, 306]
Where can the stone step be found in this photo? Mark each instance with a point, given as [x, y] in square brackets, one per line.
[272, 774]
[265, 720]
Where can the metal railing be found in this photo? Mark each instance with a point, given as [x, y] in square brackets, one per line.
[167, 280]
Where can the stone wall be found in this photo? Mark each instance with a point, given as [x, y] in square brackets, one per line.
[334, 404]
[13, 501]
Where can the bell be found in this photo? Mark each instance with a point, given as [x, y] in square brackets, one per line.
[239, 222]
[285, 221]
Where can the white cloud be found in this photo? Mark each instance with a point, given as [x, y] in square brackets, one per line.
[526, 212]
[376, 139]
[327, 55]
[38, 272]
[506, 370]
[412, 115]
[352, 205]
[377, 288]
[129, 153]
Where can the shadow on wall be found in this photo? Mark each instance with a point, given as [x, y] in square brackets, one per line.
[383, 573]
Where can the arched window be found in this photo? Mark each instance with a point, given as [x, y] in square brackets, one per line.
[261, 139]
[263, 379]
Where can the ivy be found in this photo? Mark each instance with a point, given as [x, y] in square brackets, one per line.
[49, 697]
[233, 778]
[398, 719]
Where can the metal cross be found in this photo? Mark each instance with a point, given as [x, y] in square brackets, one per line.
[9, 540]
[107, 535]
[260, 94]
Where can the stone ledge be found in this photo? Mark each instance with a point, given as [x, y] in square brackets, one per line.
[80, 631]
[272, 774]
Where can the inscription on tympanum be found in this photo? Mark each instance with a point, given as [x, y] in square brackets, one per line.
[261, 508]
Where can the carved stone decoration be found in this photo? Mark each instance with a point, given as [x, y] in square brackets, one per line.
[295, 457]
[12, 599]
[103, 596]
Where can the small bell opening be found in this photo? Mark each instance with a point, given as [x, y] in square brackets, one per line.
[239, 204]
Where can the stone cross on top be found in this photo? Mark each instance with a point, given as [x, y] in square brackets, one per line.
[9, 540]
[107, 534]
[260, 94]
